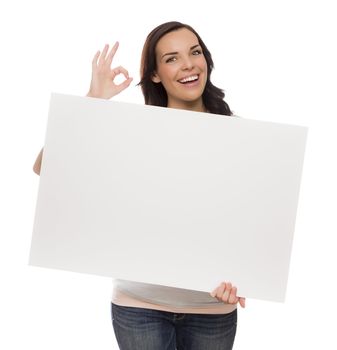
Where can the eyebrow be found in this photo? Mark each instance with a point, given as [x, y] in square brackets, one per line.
[176, 52]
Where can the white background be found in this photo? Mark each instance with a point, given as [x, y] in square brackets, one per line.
[276, 61]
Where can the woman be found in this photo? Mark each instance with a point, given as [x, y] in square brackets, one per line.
[175, 72]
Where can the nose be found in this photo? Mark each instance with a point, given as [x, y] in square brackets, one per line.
[187, 63]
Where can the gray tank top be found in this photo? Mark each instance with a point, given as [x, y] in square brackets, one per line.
[167, 296]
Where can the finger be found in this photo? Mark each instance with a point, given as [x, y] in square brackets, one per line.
[233, 299]
[218, 292]
[119, 70]
[213, 293]
[227, 292]
[103, 54]
[94, 60]
[242, 302]
[122, 86]
[112, 53]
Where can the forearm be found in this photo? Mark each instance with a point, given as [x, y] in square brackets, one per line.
[38, 162]
[102, 83]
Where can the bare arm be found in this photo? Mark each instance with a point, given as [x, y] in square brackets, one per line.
[38, 162]
[102, 83]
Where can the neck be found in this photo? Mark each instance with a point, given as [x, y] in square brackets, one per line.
[195, 106]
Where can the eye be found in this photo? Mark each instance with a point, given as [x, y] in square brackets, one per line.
[197, 52]
[171, 59]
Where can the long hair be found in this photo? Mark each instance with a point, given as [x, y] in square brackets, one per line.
[155, 93]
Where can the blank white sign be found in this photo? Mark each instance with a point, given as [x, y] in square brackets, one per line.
[170, 197]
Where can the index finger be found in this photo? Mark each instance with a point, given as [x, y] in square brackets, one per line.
[119, 70]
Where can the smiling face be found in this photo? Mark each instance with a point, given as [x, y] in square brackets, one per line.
[182, 69]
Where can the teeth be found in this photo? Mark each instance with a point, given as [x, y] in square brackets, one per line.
[191, 78]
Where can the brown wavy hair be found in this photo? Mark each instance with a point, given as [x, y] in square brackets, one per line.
[155, 93]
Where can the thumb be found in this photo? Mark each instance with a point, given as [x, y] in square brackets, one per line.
[242, 302]
[122, 86]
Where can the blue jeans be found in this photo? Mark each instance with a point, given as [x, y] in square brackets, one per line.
[145, 329]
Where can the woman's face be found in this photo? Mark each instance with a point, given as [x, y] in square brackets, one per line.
[182, 69]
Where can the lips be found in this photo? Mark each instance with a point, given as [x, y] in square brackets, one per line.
[189, 79]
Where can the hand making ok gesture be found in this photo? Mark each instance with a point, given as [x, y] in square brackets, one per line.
[103, 76]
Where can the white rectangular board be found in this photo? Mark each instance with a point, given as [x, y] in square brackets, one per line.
[165, 196]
